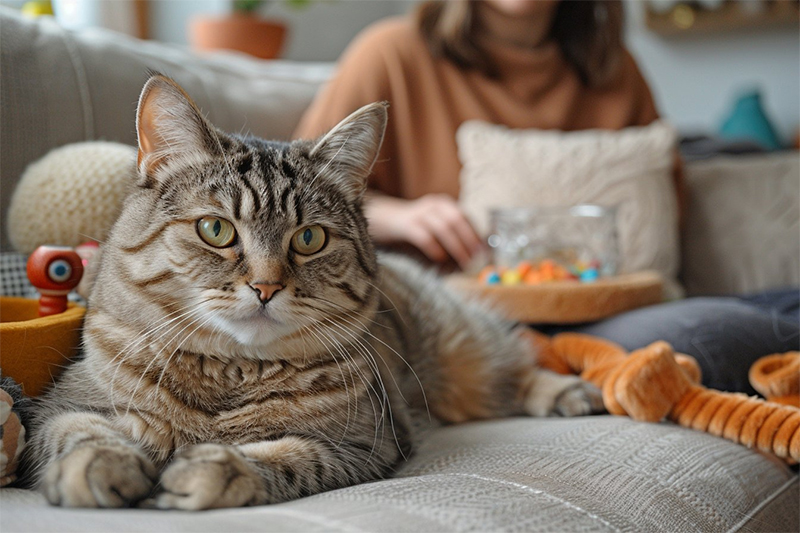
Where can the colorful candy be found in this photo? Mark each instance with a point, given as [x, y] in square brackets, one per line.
[527, 273]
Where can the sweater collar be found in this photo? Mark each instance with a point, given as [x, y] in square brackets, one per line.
[528, 72]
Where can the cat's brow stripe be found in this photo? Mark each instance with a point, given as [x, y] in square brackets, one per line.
[245, 164]
[284, 198]
[151, 238]
[237, 204]
[256, 199]
[160, 278]
[298, 210]
[267, 165]
[289, 171]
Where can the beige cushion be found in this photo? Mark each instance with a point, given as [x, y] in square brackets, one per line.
[743, 225]
[631, 169]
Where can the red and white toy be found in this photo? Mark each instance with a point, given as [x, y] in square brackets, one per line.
[55, 271]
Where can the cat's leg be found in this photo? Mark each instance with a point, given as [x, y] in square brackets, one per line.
[548, 393]
[85, 462]
[215, 475]
[486, 368]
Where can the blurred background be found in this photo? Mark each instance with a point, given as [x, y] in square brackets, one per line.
[705, 60]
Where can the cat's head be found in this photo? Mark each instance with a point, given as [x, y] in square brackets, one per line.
[250, 240]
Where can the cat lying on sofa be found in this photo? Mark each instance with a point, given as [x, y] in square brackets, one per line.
[245, 345]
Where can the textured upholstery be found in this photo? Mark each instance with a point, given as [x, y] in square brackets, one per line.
[584, 474]
[743, 224]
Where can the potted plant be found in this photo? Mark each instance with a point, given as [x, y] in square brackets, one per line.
[243, 30]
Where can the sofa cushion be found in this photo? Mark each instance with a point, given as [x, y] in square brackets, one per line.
[62, 87]
[593, 473]
[743, 225]
[631, 170]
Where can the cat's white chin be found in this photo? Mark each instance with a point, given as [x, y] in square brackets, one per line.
[256, 330]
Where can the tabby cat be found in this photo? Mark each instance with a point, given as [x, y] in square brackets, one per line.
[244, 343]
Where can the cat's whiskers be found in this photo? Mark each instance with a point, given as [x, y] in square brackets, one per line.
[366, 331]
[347, 394]
[156, 357]
[394, 306]
[364, 350]
[367, 383]
[315, 329]
[95, 239]
[363, 329]
[177, 349]
[343, 308]
[141, 337]
[353, 366]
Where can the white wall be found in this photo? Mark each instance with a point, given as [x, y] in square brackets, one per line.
[696, 79]
[169, 19]
[323, 30]
[318, 32]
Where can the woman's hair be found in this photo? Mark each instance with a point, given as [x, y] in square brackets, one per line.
[589, 33]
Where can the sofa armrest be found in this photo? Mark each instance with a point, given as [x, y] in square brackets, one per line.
[61, 86]
[743, 224]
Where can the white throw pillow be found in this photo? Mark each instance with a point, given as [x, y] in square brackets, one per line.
[631, 169]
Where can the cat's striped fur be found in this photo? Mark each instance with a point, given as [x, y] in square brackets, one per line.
[196, 392]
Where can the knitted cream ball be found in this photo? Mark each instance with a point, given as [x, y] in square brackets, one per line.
[71, 195]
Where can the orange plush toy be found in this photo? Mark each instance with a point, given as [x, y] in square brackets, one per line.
[777, 378]
[654, 383]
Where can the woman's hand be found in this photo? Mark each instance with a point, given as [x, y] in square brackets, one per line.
[433, 223]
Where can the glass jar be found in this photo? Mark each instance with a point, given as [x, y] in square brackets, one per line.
[580, 238]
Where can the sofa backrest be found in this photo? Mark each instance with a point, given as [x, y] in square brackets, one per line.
[60, 87]
[743, 224]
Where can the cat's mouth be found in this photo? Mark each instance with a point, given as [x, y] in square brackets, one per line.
[257, 327]
[262, 316]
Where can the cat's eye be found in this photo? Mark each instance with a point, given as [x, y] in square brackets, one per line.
[216, 231]
[309, 240]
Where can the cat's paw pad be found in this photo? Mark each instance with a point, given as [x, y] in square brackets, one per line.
[209, 476]
[99, 476]
[581, 399]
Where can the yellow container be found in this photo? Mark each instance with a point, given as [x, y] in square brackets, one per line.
[34, 350]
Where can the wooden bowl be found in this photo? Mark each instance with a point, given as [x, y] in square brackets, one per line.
[34, 350]
[567, 302]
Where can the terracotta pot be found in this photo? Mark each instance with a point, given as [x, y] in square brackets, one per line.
[244, 33]
[36, 349]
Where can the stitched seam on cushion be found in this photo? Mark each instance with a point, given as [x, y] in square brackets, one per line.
[777, 494]
[541, 493]
[83, 84]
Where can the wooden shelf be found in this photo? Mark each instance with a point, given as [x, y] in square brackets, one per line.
[684, 19]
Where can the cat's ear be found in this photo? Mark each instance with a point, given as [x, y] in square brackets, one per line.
[348, 152]
[170, 127]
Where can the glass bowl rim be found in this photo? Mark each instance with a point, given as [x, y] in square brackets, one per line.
[578, 210]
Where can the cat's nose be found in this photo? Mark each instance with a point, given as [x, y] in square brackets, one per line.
[266, 291]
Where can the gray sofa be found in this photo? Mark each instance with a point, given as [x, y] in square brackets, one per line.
[599, 473]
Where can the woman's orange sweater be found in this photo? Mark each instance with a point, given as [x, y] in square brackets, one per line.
[430, 97]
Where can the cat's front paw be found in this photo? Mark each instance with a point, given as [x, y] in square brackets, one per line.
[209, 476]
[99, 476]
[581, 399]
